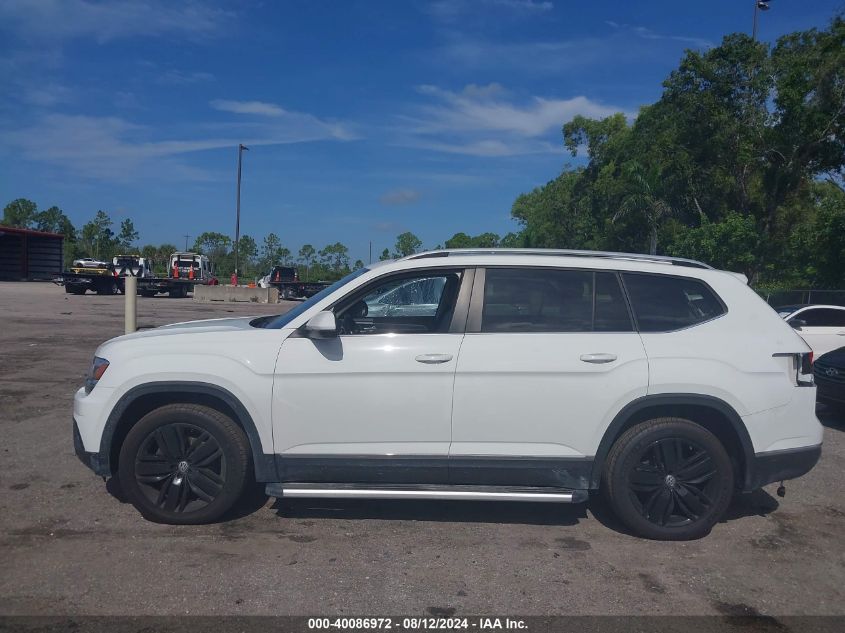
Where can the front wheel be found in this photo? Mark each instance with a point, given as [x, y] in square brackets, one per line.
[184, 464]
[669, 479]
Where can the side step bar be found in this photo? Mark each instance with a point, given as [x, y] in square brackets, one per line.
[293, 490]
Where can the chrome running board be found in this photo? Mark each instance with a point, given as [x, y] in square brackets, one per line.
[442, 492]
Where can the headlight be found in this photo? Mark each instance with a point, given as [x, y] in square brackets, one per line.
[98, 368]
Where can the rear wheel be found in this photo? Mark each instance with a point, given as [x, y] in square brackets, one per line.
[184, 464]
[669, 479]
[107, 289]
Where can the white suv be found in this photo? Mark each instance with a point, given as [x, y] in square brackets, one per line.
[500, 374]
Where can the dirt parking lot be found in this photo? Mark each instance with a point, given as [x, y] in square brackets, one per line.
[69, 545]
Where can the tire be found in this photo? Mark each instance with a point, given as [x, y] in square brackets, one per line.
[659, 498]
[147, 293]
[110, 289]
[75, 290]
[159, 457]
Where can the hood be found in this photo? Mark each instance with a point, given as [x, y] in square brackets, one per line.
[190, 327]
[835, 358]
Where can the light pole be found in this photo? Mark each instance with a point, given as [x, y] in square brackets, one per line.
[241, 148]
[759, 5]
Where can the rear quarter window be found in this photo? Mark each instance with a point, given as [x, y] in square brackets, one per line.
[663, 304]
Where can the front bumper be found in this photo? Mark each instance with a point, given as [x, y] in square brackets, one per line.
[94, 461]
[775, 466]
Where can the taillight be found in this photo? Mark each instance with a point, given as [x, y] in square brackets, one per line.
[805, 369]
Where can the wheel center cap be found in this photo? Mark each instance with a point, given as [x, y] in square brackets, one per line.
[182, 467]
[670, 481]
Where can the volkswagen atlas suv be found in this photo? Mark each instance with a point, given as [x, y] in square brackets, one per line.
[522, 375]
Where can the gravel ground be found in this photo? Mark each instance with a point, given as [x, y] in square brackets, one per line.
[70, 545]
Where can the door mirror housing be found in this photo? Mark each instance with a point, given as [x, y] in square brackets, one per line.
[321, 325]
[797, 323]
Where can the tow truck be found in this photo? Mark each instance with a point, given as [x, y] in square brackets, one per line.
[185, 270]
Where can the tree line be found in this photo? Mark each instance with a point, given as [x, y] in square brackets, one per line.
[740, 163]
[99, 239]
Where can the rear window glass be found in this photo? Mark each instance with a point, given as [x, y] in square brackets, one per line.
[662, 303]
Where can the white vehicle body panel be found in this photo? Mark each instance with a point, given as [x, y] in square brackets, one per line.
[530, 394]
[365, 395]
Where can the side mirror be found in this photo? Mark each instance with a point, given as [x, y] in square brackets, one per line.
[797, 323]
[321, 325]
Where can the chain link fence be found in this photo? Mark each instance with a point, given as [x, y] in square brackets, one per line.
[777, 298]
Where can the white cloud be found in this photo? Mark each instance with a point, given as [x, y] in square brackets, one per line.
[105, 21]
[174, 76]
[399, 197]
[261, 108]
[45, 94]
[488, 121]
[112, 148]
[452, 10]
[647, 34]
[624, 44]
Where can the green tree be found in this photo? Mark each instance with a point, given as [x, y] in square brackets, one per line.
[358, 265]
[335, 257]
[406, 244]
[306, 257]
[97, 237]
[733, 244]
[644, 197]
[459, 240]
[270, 252]
[385, 255]
[247, 254]
[20, 213]
[127, 236]
[214, 245]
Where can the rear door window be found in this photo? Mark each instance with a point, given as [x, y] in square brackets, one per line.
[662, 303]
[548, 300]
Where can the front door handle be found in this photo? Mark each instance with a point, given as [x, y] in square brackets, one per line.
[433, 359]
[598, 358]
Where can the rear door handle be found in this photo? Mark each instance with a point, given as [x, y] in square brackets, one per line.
[598, 358]
[433, 359]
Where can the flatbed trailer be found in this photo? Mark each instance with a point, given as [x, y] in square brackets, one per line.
[102, 280]
[286, 279]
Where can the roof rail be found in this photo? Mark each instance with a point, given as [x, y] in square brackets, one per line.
[657, 259]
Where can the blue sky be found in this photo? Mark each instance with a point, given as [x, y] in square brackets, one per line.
[364, 118]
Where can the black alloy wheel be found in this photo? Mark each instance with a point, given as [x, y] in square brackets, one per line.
[673, 483]
[180, 467]
[668, 479]
[184, 464]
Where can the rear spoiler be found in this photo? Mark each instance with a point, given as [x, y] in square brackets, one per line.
[739, 276]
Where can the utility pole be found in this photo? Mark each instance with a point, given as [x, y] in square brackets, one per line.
[759, 5]
[241, 148]
[186, 242]
[371, 251]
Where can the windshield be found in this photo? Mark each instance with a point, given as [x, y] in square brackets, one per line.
[281, 320]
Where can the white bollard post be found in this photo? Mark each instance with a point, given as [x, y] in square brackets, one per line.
[130, 290]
